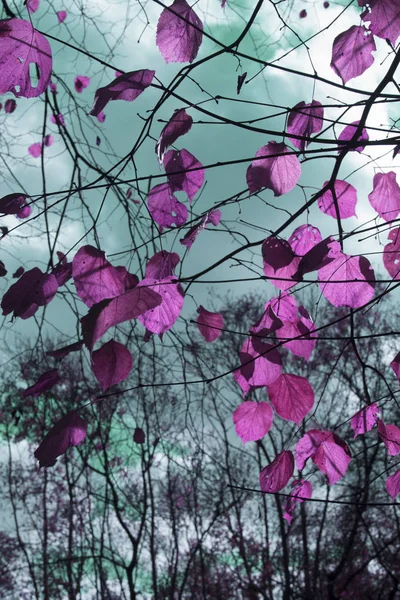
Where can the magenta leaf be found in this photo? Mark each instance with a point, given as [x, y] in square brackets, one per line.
[280, 263]
[209, 324]
[328, 452]
[348, 133]
[179, 33]
[346, 198]
[179, 124]
[129, 280]
[15, 204]
[178, 162]
[107, 313]
[61, 352]
[393, 484]
[162, 317]
[352, 53]
[32, 5]
[125, 87]
[111, 364]
[80, 83]
[268, 323]
[303, 346]
[94, 277]
[10, 105]
[391, 254]
[278, 171]
[165, 208]
[261, 365]
[364, 419]
[304, 238]
[276, 475]
[395, 364]
[252, 420]
[384, 18]
[20, 47]
[35, 150]
[319, 256]
[61, 16]
[291, 396]
[385, 196]
[390, 436]
[347, 281]
[58, 119]
[139, 436]
[44, 383]
[213, 217]
[302, 491]
[68, 431]
[305, 119]
[32, 290]
[162, 265]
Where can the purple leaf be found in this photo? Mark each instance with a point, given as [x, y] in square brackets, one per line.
[304, 238]
[384, 18]
[165, 208]
[364, 419]
[263, 368]
[58, 119]
[346, 197]
[279, 262]
[129, 280]
[385, 196]
[107, 313]
[291, 396]
[328, 452]
[61, 352]
[20, 271]
[305, 119]
[162, 265]
[252, 420]
[80, 83]
[61, 16]
[111, 364]
[213, 217]
[125, 87]
[3, 270]
[348, 133]
[139, 436]
[10, 105]
[181, 161]
[32, 290]
[352, 53]
[162, 317]
[395, 364]
[22, 46]
[393, 484]
[68, 431]
[390, 436]
[268, 323]
[15, 204]
[278, 171]
[94, 277]
[347, 281]
[179, 124]
[302, 491]
[35, 149]
[209, 324]
[303, 346]
[391, 254]
[276, 475]
[44, 383]
[319, 256]
[177, 39]
[32, 5]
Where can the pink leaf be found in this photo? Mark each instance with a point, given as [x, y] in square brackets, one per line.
[209, 324]
[21, 47]
[384, 18]
[390, 436]
[352, 53]
[177, 39]
[305, 119]
[32, 5]
[277, 171]
[94, 277]
[139, 436]
[101, 117]
[393, 484]
[164, 207]
[15, 204]
[162, 265]
[347, 281]
[319, 256]
[179, 124]
[303, 346]
[161, 318]
[111, 364]
[252, 420]
[61, 352]
[61, 16]
[292, 397]
[304, 238]
[391, 254]
[58, 119]
[348, 133]
[213, 217]
[364, 419]
[129, 280]
[10, 105]
[180, 161]
[261, 365]
[68, 431]
[80, 83]
[35, 150]
[32, 290]
[346, 197]
[44, 383]
[328, 452]
[107, 313]
[48, 140]
[125, 87]
[301, 492]
[280, 263]
[385, 196]
[276, 475]
[395, 364]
